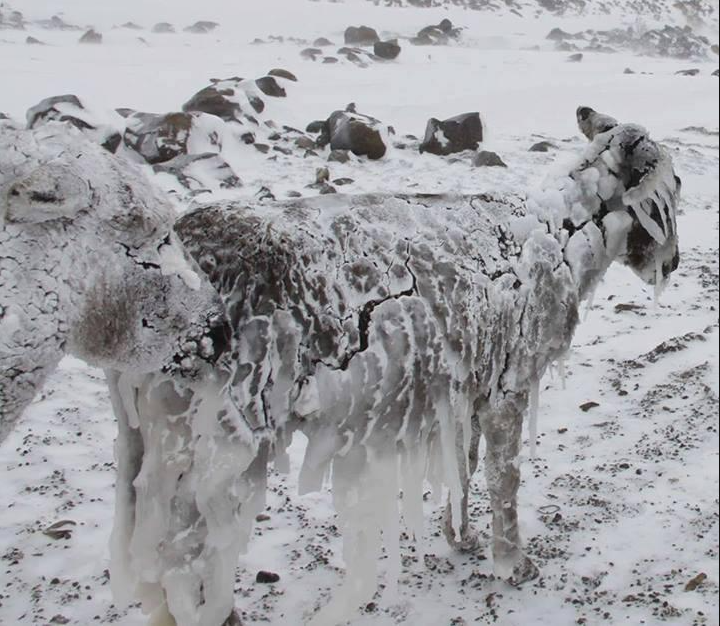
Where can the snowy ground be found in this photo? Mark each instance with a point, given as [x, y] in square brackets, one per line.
[619, 509]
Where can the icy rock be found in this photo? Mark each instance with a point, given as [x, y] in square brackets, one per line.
[163, 28]
[338, 156]
[311, 53]
[200, 171]
[201, 27]
[360, 36]
[91, 36]
[270, 87]
[462, 132]
[387, 50]
[34, 42]
[436, 34]
[322, 42]
[575, 58]
[216, 100]
[542, 146]
[486, 158]
[691, 72]
[57, 23]
[360, 134]
[70, 109]
[159, 137]
[282, 73]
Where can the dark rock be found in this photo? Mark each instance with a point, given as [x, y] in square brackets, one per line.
[340, 182]
[293, 194]
[326, 189]
[691, 72]
[34, 42]
[388, 50]
[265, 193]
[330, 60]
[322, 42]
[305, 143]
[462, 132]
[361, 36]
[338, 156]
[542, 146]
[68, 108]
[262, 517]
[558, 34]
[201, 27]
[163, 28]
[282, 150]
[575, 58]
[586, 406]
[360, 134]
[627, 70]
[281, 73]
[57, 23]
[262, 147]
[124, 112]
[267, 577]
[311, 53]
[91, 36]
[485, 158]
[269, 86]
[716, 73]
[436, 34]
[158, 138]
[216, 100]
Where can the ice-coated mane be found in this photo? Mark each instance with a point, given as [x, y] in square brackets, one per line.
[392, 331]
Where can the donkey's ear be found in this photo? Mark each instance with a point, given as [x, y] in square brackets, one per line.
[50, 192]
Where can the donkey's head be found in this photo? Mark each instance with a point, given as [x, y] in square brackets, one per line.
[628, 184]
[90, 266]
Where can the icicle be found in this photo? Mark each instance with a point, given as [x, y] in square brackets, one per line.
[533, 414]
[660, 282]
[561, 371]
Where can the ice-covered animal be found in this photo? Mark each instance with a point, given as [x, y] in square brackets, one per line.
[392, 331]
[90, 266]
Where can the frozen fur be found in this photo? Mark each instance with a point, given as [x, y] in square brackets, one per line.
[393, 331]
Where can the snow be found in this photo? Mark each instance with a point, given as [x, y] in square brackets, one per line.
[621, 532]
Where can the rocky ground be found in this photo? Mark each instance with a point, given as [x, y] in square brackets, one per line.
[620, 506]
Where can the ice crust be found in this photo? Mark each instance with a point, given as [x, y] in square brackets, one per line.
[380, 327]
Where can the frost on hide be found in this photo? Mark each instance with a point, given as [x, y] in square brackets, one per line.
[390, 331]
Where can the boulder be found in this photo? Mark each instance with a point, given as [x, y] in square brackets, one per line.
[281, 73]
[462, 132]
[436, 34]
[575, 58]
[387, 50]
[159, 138]
[70, 109]
[322, 42]
[360, 36]
[311, 53]
[91, 36]
[360, 134]
[201, 27]
[31, 41]
[163, 28]
[716, 73]
[691, 72]
[542, 146]
[218, 99]
[269, 86]
[485, 158]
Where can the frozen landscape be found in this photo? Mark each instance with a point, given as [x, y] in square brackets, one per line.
[619, 503]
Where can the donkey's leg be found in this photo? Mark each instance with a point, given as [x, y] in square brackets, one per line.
[469, 540]
[502, 428]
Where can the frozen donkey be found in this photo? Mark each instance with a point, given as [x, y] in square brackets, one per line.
[394, 332]
[89, 266]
